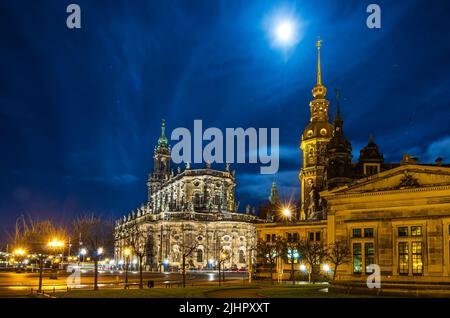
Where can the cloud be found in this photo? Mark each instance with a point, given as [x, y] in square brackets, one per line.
[438, 148]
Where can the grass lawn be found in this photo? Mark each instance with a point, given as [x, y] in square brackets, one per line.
[253, 291]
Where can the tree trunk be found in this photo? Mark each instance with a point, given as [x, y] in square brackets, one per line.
[126, 273]
[41, 269]
[309, 274]
[335, 271]
[292, 271]
[223, 273]
[184, 271]
[271, 273]
[95, 274]
[219, 274]
[141, 279]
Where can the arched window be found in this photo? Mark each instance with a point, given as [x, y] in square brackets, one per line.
[197, 199]
[241, 256]
[216, 199]
[199, 256]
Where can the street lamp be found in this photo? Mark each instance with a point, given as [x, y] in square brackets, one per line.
[223, 257]
[19, 251]
[83, 252]
[287, 212]
[127, 253]
[56, 244]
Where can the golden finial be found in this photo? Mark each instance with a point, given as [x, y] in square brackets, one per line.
[319, 70]
[319, 91]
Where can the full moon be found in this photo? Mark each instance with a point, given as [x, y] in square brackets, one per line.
[285, 32]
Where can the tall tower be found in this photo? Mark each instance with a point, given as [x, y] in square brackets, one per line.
[313, 144]
[161, 162]
[274, 198]
[339, 154]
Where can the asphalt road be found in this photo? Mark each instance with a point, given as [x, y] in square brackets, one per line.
[19, 284]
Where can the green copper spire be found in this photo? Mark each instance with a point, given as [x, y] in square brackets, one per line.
[162, 140]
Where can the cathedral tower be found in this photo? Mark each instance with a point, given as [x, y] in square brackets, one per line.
[161, 162]
[314, 141]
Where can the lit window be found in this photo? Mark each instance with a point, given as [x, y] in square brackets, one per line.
[403, 231]
[356, 232]
[403, 258]
[368, 232]
[416, 231]
[369, 255]
[417, 262]
[357, 258]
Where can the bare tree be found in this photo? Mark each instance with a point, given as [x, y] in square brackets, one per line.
[138, 239]
[314, 254]
[97, 235]
[270, 252]
[291, 249]
[339, 253]
[188, 246]
[34, 236]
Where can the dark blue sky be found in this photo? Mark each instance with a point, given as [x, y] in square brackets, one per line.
[80, 110]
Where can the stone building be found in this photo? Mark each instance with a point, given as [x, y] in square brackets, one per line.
[191, 209]
[395, 215]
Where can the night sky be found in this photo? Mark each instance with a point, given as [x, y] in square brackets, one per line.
[80, 110]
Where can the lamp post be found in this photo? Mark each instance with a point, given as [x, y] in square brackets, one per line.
[19, 254]
[55, 245]
[83, 252]
[223, 257]
[127, 253]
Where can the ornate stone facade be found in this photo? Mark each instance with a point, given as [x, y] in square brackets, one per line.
[194, 208]
[394, 215]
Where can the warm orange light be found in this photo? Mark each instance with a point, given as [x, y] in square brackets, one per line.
[55, 243]
[127, 251]
[287, 212]
[19, 252]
